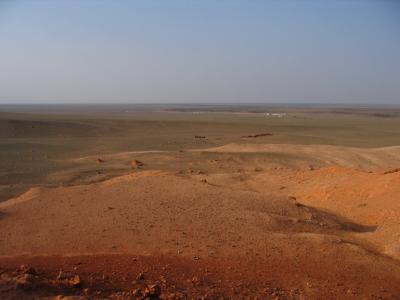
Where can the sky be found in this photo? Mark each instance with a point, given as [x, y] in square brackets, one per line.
[209, 51]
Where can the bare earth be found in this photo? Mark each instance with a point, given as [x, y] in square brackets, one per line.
[241, 220]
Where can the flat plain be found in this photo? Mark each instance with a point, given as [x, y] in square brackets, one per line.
[177, 202]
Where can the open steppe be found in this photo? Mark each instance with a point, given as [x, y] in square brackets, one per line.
[210, 201]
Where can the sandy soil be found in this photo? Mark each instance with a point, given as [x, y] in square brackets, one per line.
[237, 221]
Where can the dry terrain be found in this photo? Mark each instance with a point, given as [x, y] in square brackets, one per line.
[178, 205]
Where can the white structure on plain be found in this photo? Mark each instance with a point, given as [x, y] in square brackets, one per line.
[279, 115]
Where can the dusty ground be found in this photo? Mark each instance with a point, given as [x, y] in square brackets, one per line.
[239, 219]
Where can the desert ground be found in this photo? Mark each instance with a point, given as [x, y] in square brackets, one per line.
[199, 202]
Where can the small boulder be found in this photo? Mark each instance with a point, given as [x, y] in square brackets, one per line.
[140, 276]
[135, 292]
[75, 281]
[136, 164]
[27, 270]
[152, 290]
[60, 275]
[25, 281]
[30, 271]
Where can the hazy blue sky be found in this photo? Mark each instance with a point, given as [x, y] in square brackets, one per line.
[200, 51]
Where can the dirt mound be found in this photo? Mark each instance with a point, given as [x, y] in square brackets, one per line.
[367, 198]
[257, 135]
[169, 203]
[246, 220]
[392, 171]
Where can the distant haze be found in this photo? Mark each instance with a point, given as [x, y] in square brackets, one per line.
[200, 51]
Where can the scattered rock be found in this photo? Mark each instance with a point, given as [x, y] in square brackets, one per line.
[99, 160]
